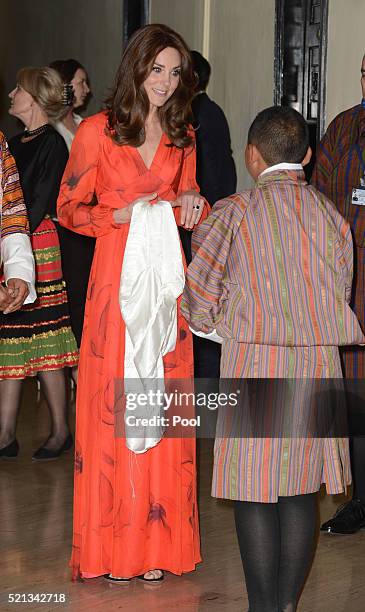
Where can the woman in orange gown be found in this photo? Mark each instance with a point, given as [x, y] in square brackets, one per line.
[134, 514]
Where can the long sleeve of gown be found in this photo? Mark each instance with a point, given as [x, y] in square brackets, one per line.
[75, 207]
[204, 294]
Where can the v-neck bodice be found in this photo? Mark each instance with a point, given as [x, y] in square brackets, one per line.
[148, 168]
[117, 175]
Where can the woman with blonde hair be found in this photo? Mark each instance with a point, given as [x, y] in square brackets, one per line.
[37, 340]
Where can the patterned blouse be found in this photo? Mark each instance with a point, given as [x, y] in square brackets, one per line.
[14, 218]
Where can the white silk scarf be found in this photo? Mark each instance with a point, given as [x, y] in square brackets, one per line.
[152, 279]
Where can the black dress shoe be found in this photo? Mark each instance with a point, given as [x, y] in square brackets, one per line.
[10, 451]
[47, 454]
[349, 518]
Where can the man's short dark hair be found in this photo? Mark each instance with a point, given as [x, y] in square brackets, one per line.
[202, 68]
[280, 133]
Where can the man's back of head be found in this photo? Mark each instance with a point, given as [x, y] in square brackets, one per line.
[202, 70]
[280, 134]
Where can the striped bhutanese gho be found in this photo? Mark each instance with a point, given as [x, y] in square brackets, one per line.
[272, 273]
[274, 266]
[340, 165]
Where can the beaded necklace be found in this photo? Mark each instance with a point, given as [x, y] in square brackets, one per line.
[36, 132]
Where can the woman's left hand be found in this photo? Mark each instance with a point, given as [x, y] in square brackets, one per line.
[192, 205]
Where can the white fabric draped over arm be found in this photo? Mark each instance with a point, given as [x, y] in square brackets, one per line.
[151, 281]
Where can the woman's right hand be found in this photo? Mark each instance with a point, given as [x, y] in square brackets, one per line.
[124, 215]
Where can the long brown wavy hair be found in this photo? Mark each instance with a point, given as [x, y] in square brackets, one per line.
[128, 106]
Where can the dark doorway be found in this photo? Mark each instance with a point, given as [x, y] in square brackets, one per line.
[135, 15]
[300, 62]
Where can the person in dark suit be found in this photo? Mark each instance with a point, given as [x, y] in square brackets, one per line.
[216, 177]
[216, 172]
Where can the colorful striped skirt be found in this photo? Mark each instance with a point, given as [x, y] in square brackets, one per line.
[38, 337]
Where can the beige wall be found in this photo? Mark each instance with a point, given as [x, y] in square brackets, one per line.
[184, 16]
[346, 46]
[241, 52]
[238, 38]
[39, 31]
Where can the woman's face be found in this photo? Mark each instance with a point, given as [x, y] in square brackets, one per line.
[164, 77]
[80, 87]
[21, 103]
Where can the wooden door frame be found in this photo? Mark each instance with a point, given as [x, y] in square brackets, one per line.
[279, 61]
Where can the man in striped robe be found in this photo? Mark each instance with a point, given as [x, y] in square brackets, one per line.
[16, 261]
[272, 274]
[340, 168]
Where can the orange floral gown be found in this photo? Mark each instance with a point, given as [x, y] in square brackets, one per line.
[132, 512]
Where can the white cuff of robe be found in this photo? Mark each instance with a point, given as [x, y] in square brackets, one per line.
[17, 256]
[209, 336]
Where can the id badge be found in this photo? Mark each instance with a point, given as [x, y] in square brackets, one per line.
[358, 196]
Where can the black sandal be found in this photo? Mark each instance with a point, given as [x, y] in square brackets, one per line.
[151, 580]
[116, 579]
